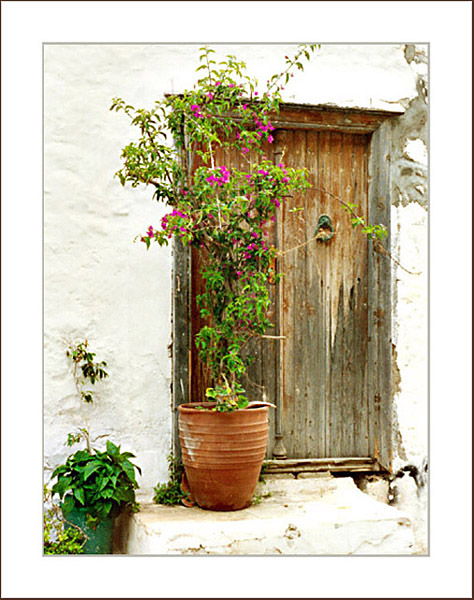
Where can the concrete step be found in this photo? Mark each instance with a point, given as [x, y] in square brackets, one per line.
[322, 515]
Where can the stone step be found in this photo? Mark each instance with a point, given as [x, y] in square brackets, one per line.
[322, 515]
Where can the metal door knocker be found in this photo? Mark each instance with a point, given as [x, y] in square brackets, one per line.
[324, 230]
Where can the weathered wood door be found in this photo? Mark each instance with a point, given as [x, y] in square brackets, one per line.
[330, 374]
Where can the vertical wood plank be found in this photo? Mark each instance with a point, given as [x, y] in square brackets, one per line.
[312, 303]
[181, 328]
[360, 310]
[287, 299]
[324, 254]
[348, 372]
[300, 306]
[321, 317]
[379, 300]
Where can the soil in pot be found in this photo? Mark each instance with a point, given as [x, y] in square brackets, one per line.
[222, 453]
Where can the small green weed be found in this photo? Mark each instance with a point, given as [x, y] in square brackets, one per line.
[259, 497]
[170, 493]
[56, 538]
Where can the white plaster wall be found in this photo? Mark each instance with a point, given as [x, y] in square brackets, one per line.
[100, 285]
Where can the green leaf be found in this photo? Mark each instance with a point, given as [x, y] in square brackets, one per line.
[79, 495]
[129, 469]
[61, 486]
[112, 448]
[90, 468]
[68, 504]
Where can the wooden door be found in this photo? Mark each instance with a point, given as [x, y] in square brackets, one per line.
[323, 300]
[330, 374]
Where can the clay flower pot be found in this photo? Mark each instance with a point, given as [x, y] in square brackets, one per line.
[222, 453]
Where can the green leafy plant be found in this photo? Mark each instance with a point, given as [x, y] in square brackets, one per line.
[170, 493]
[99, 484]
[91, 370]
[57, 538]
[224, 212]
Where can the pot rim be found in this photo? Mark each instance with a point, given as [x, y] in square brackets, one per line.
[191, 407]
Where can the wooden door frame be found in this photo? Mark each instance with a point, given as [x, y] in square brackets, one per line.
[299, 116]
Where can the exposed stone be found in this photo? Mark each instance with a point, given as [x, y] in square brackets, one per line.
[416, 150]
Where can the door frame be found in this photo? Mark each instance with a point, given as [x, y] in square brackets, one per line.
[377, 123]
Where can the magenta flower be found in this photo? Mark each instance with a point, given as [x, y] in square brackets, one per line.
[270, 138]
[245, 150]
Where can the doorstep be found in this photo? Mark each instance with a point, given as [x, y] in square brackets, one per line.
[321, 515]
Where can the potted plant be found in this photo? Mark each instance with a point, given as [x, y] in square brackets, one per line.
[226, 213]
[95, 487]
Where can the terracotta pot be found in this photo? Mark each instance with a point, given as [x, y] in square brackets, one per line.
[222, 453]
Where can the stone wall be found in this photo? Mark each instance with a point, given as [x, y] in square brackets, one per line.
[100, 285]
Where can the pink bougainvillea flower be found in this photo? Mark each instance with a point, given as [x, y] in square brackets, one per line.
[245, 150]
[270, 138]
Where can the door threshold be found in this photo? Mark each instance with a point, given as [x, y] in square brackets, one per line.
[317, 465]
